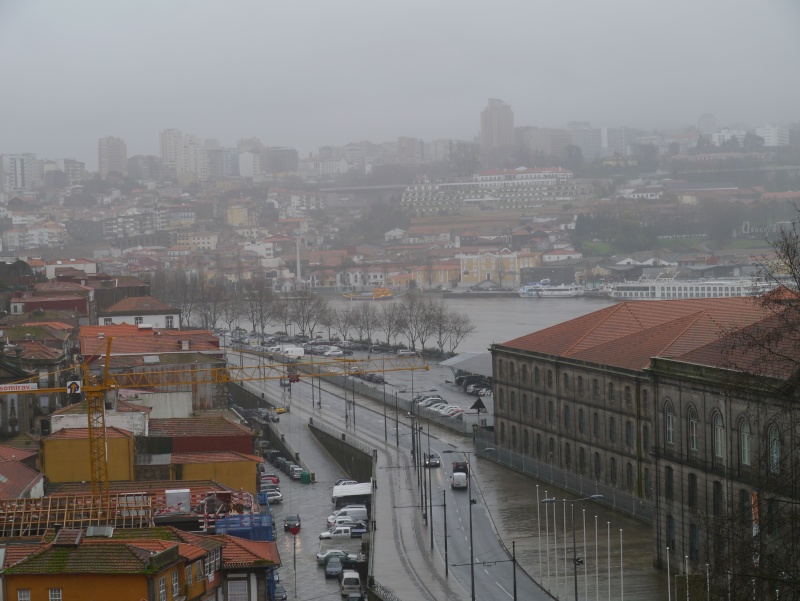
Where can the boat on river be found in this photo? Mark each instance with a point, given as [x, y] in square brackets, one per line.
[544, 289]
[665, 288]
[374, 294]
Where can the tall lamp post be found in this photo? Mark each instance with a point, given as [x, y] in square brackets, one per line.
[471, 503]
[572, 514]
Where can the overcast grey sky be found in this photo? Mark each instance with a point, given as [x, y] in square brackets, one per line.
[311, 73]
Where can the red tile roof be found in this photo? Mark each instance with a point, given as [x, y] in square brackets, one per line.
[131, 339]
[197, 426]
[242, 553]
[8, 453]
[628, 334]
[212, 457]
[73, 433]
[17, 479]
[139, 304]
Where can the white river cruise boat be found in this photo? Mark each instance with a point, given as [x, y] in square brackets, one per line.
[543, 289]
[669, 288]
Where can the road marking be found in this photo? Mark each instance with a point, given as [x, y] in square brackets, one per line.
[504, 590]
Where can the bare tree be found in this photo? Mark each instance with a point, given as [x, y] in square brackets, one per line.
[327, 320]
[370, 319]
[307, 309]
[439, 317]
[283, 312]
[211, 306]
[232, 308]
[258, 304]
[391, 321]
[460, 326]
[416, 323]
[343, 321]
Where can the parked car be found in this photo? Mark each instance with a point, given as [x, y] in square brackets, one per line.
[334, 353]
[291, 521]
[280, 593]
[274, 497]
[270, 478]
[333, 568]
[407, 353]
[324, 557]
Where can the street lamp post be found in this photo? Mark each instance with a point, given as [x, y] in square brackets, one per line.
[572, 514]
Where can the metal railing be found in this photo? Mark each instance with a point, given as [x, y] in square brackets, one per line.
[548, 472]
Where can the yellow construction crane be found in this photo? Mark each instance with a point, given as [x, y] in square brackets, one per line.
[96, 389]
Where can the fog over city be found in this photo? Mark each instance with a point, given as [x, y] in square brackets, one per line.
[306, 74]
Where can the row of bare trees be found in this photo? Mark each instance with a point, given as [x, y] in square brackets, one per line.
[415, 321]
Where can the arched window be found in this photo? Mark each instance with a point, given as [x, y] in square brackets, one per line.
[502, 432]
[644, 400]
[513, 438]
[645, 439]
[511, 370]
[580, 385]
[628, 433]
[629, 476]
[523, 372]
[552, 449]
[774, 441]
[525, 442]
[596, 425]
[647, 485]
[538, 445]
[580, 420]
[549, 378]
[628, 397]
[567, 417]
[512, 398]
[719, 437]
[595, 389]
[582, 461]
[612, 429]
[566, 381]
[500, 370]
[525, 404]
[567, 456]
[598, 470]
[692, 429]
[612, 468]
[669, 423]
[537, 408]
[611, 391]
[536, 375]
[551, 413]
[501, 398]
[745, 442]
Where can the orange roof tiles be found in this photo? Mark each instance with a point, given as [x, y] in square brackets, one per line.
[242, 553]
[14, 454]
[76, 433]
[139, 303]
[628, 335]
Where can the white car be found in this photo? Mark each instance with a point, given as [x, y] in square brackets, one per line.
[334, 353]
[407, 353]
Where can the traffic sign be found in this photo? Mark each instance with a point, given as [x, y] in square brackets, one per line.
[74, 387]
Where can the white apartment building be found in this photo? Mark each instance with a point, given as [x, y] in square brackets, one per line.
[774, 135]
[726, 134]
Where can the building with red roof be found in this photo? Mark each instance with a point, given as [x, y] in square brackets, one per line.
[660, 405]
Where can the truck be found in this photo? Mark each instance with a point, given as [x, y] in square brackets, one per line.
[343, 532]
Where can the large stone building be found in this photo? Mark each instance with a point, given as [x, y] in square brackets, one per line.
[637, 398]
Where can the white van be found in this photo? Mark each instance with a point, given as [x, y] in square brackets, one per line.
[293, 352]
[351, 582]
[357, 512]
[458, 480]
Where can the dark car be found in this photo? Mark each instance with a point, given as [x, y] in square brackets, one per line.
[280, 593]
[432, 460]
[333, 568]
[291, 521]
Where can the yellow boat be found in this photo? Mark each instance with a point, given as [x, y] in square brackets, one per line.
[375, 294]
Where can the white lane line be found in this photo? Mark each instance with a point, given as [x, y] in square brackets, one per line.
[504, 590]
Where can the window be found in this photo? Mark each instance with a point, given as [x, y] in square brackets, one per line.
[512, 397]
[500, 368]
[551, 414]
[629, 433]
[580, 385]
[107, 321]
[582, 461]
[694, 535]
[503, 432]
[536, 375]
[169, 321]
[537, 408]
[198, 570]
[567, 417]
[567, 456]
[612, 466]
[580, 420]
[175, 584]
[647, 483]
[595, 389]
[596, 425]
[54, 594]
[719, 437]
[597, 467]
[501, 398]
[671, 532]
[511, 370]
[692, 429]
[692, 490]
[628, 397]
[566, 381]
[612, 429]
[162, 589]
[525, 442]
[774, 441]
[744, 433]
[645, 439]
[669, 491]
[523, 372]
[514, 438]
[524, 404]
[538, 445]
[629, 476]
[549, 378]
[669, 423]
[189, 574]
[237, 590]
[644, 400]
[717, 498]
[24, 594]
[138, 320]
[611, 391]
